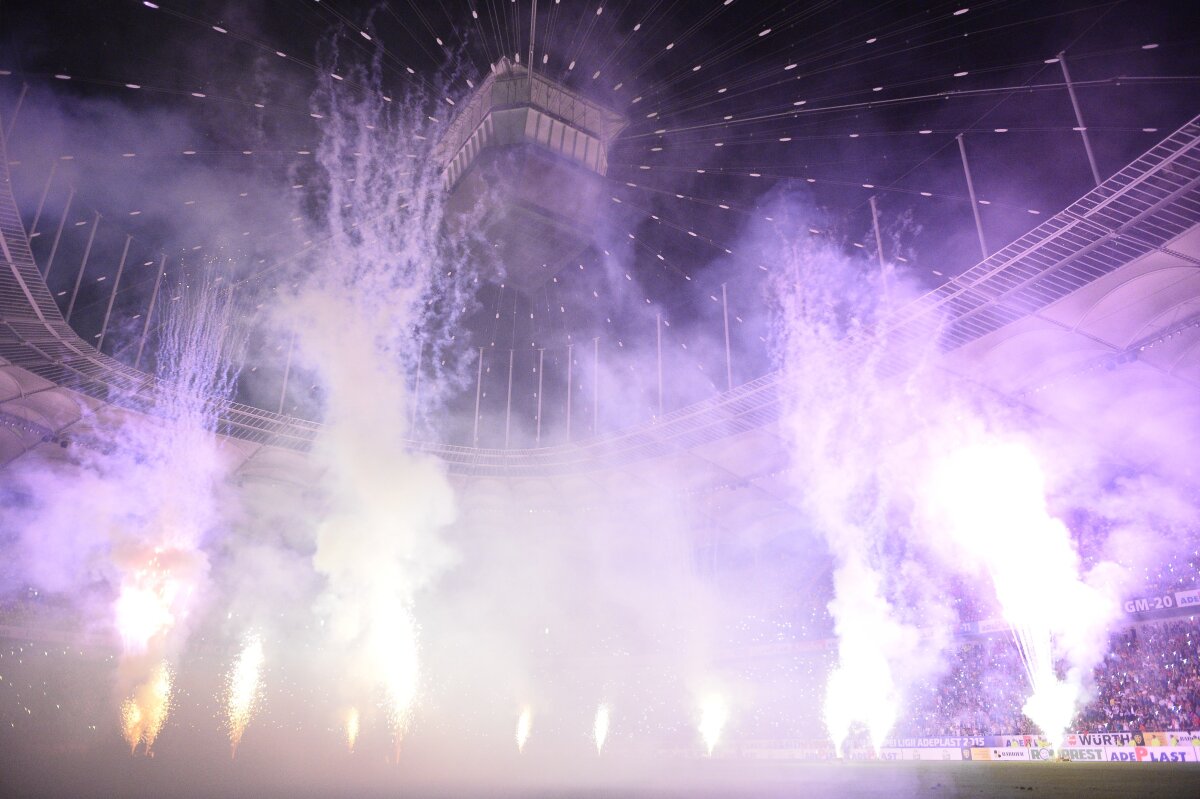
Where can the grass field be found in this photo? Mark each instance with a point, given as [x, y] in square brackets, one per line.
[898, 780]
[685, 780]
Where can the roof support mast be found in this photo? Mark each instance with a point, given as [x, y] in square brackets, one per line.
[658, 332]
[112, 296]
[162, 267]
[33, 231]
[478, 394]
[87, 252]
[1087, 142]
[962, 150]
[58, 232]
[532, 38]
[287, 373]
[883, 270]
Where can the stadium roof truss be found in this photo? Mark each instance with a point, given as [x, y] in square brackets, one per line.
[1144, 219]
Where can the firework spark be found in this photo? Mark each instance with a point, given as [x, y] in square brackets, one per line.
[524, 725]
[352, 728]
[600, 727]
[992, 499]
[144, 713]
[713, 713]
[244, 689]
[395, 650]
[147, 608]
[145, 605]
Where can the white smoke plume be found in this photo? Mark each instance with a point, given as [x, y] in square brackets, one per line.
[149, 494]
[988, 498]
[912, 479]
[179, 466]
[361, 323]
[841, 418]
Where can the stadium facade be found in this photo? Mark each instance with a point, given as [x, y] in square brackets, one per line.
[1091, 320]
[1106, 290]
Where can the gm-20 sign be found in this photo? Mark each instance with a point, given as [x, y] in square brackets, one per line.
[1161, 602]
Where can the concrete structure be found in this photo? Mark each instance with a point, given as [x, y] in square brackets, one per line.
[1107, 290]
[525, 161]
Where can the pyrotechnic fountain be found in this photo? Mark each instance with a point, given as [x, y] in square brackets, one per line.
[414, 589]
[713, 714]
[600, 727]
[352, 728]
[524, 727]
[146, 601]
[173, 470]
[145, 712]
[378, 543]
[990, 497]
[841, 420]
[145, 613]
[244, 689]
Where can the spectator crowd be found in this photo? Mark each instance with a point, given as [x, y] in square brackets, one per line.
[1148, 681]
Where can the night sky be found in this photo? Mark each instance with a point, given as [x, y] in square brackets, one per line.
[731, 107]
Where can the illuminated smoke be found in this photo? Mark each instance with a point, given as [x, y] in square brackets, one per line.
[600, 727]
[713, 714]
[145, 605]
[244, 689]
[145, 712]
[991, 498]
[902, 495]
[843, 422]
[168, 472]
[360, 327]
[910, 479]
[156, 592]
[861, 687]
[524, 726]
[880, 464]
[377, 546]
[145, 613]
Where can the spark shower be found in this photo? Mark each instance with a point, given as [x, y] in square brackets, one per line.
[356, 615]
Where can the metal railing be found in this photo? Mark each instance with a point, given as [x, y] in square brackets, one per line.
[1136, 211]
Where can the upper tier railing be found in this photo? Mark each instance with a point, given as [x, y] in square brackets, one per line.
[1136, 211]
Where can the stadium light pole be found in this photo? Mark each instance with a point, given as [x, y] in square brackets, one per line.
[878, 236]
[532, 38]
[416, 401]
[596, 385]
[287, 372]
[16, 110]
[887, 293]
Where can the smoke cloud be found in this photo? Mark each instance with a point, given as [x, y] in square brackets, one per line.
[938, 500]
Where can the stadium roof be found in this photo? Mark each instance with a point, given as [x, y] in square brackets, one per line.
[1107, 289]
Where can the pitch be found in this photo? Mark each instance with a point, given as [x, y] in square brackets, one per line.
[680, 780]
